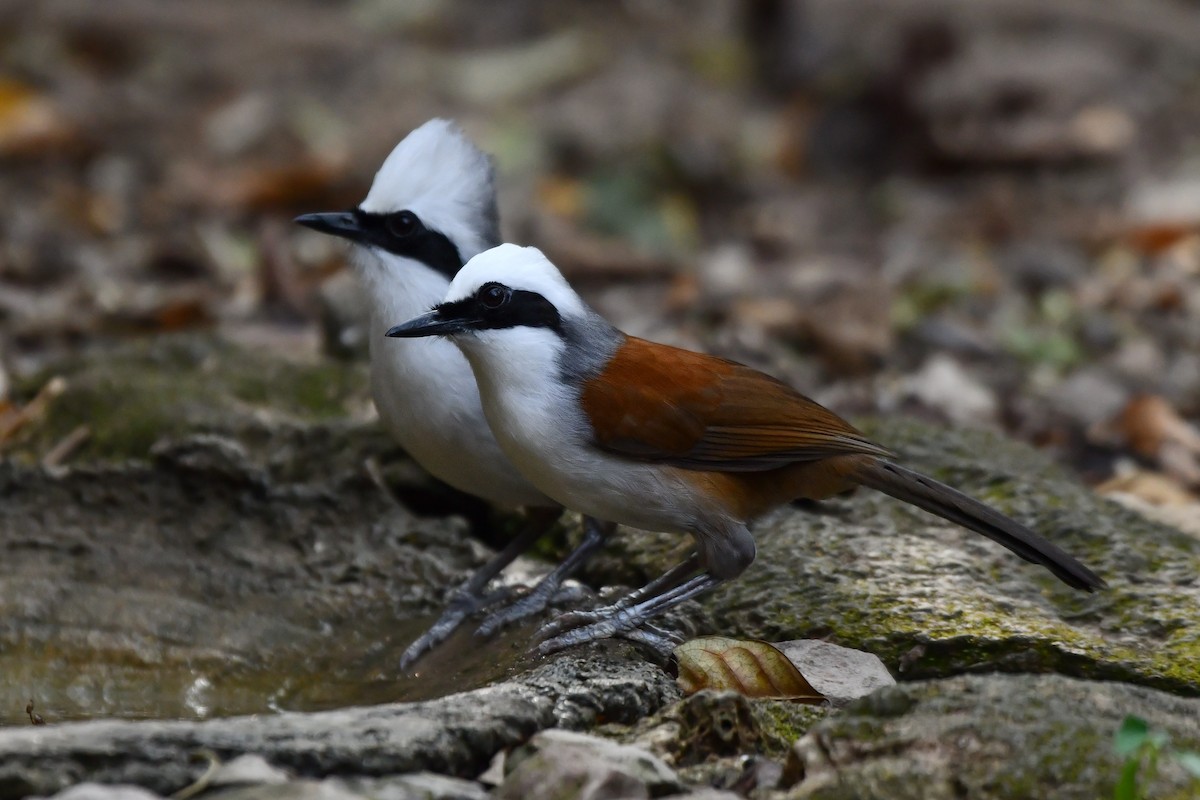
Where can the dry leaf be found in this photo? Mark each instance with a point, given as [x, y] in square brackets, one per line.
[746, 666]
[282, 187]
[1151, 428]
[1156, 496]
[13, 418]
[841, 674]
[305, 182]
[152, 312]
[30, 123]
[1151, 487]
[1154, 238]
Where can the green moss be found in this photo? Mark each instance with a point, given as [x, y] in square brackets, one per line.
[133, 396]
[782, 722]
[989, 736]
[980, 634]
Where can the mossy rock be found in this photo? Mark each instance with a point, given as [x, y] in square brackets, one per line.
[932, 599]
[990, 737]
[134, 395]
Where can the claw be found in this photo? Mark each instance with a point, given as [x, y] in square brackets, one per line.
[661, 641]
[594, 535]
[533, 603]
[470, 597]
[462, 605]
[626, 618]
[571, 620]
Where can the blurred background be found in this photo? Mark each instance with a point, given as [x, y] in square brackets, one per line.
[985, 213]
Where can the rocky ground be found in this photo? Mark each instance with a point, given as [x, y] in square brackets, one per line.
[976, 230]
[247, 564]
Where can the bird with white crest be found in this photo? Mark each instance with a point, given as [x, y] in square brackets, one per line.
[665, 439]
[431, 207]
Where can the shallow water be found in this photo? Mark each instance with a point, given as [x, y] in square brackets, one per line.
[361, 671]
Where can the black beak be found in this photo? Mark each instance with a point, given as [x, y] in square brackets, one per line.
[432, 324]
[336, 223]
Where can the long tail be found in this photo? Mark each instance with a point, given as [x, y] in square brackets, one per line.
[951, 504]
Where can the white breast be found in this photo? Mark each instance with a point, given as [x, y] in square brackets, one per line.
[425, 391]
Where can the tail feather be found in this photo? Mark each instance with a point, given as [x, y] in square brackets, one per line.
[950, 504]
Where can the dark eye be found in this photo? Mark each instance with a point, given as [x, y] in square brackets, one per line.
[402, 223]
[494, 295]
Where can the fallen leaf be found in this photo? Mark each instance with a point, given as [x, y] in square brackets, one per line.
[750, 667]
[14, 418]
[682, 294]
[942, 383]
[1153, 238]
[305, 182]
[840, 674]
[1156, 496]
[30, 122]
[267, 188]
[1152, 487]
[1150, 427]
[152, 312]
[280, 282]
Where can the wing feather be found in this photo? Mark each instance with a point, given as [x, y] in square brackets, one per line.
[662, 404]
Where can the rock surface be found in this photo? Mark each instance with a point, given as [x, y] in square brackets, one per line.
[240, 562]
[712, 725]
[196, 585]
[206, 556]
[557, 763]
[989, 736]
[1014, 183]
[96, 791]
[455, 735]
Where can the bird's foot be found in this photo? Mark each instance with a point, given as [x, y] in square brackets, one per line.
[538, 599]
[626, 626]
[463, 604]
[631, 613]
[594, 535]
[572, 620]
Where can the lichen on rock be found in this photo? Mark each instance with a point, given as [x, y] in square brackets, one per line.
[1000, 737]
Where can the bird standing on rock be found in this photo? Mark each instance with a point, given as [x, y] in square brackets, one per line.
[431, 206]
[665, 439]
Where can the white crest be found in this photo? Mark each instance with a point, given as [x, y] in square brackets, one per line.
[441, 176]
[518, 268]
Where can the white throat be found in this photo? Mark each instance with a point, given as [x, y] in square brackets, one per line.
[515, 365]
[424, 389]
[396, 288]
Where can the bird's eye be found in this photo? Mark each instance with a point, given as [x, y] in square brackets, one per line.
[494, 295]
[402, 223]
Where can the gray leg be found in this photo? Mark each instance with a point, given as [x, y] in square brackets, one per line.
[595, 533]
[577, 619]
[469, 597]
[625, 621]
[662, 642]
